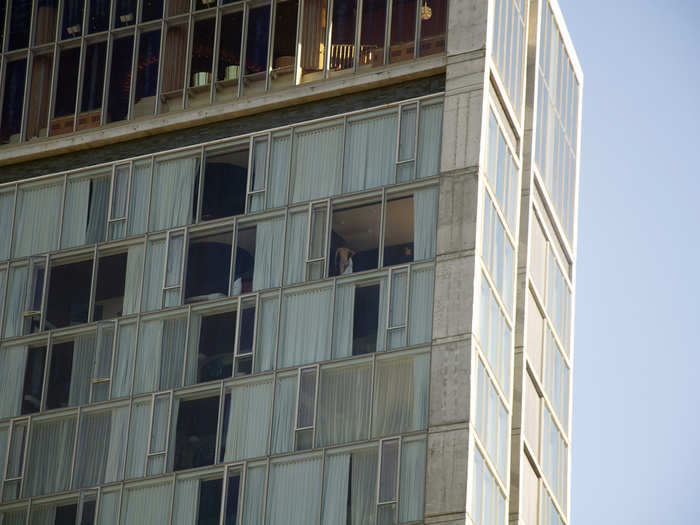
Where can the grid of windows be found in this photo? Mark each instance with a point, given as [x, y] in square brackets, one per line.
[491, 420]
[502, 172]
[498, 253]
[509, 47]
[557, 120]
[554, 458]
[495, 335]
[124, 59]
[488, 503]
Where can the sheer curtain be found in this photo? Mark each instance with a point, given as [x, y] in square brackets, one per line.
[14, 302]
[420, 306]
[12, 362]
[343, 314]
[248, 420]
[343, 404]
[7, 202]
[412, 481]
[75, 215]
[109, 507]
[138, 439]
[185, 502]
[295, 248]
[37, 219]
[124, 360]
[294, 491]
[254, 495]
[429, 133]
[101, 447]
[148, 357]
[138, 201]
[284, 416]
[425, 206]
[269, 236]
[152, 289]
[266, 333]
[370, 151]
[355, 473]
[172, 353]
[193, 349]
[146, 505]
[82, 369]
[280, 149]
[298, 344]
[50, 456]
[317, 161]
[132, 283]
[335, 489]
[172, 193]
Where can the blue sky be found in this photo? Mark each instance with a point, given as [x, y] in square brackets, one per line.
[636, 419]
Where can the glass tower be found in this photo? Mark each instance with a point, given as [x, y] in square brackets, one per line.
[286, 261]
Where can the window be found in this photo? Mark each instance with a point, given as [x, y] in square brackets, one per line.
[225, 183]
[208, 267]
[32, 392]
[255, 75]
[70, 372]
[34, 298]
[161, 354]
[284, 44]
[372, 35]
[40, 94]
[306, 408]
[532, 423]
[488, 504]
[110, 286]
[195, 432]
[201, 62]
[350, 486]
[558, 301]
[147, 74]
[495, 335]
[151, 10]
[508, 48]
[124, 12]
[403, 30]
[69, 294]
[258, 172]
[229, 67]
[399, 231]
[303, 307]
[491, 420]
[246, 423]
[502, 171]
[174, 63]
[258, 262]
[291, 481]
[19, 430]
[554, 457]
[198, 499]
[342, 55]
[20, 18]
[66, 97]
[556, 378]
[354, 243]
[93, 82]
[11, 124]
[120, 72]
[85, 211]
[432, 27]
[216, 339]
[72, 19]
[246, 337]
[365, 319]
[98, 19]
[174, 192]
[498, 253]
[45, 22]
[49, 456]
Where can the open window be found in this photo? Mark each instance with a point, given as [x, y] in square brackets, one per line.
[398, 231]
[245, 342]
[174, 261]
[32, 391]
[433, 14]
[34, 298]
[342, 55]
[365, 325]
[245, 260]
[201, 62]
[208, 267]
[69, 294]
[257, 180]
[215, 337]
[225, 183]
[195, 432]
[229, 66]
[66, 97]
[158, 439]
[284, 44]
[110, 286]
[354, 238]
[255, 77]
[359, 317]
[124, 13]
[306, 408]
[258, 257]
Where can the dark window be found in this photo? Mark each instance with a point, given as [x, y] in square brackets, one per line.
[72, 19]
[208, 265]
[109, 292]
[64, 110]
[432, 27]
[174, 67]
[201, 61]
[3, 9]
[147, 74]
[282, 73]
[245, 261]
[99, 16]
[355, 239]
[69, 294]
[120, 79]
[20, 18]
[403, 30]
[230, 47]
[13, 98]
[225, 178]
[124, 12]
[372, 33]
[93, 81]
[256, 47]
[343, 36]
[46, 16]
[152, 9]
[66, 514]
[365, 320]
[39, 96]
[398, 231]
[58, 390]
[176, 7]
[217, 337]
[89, 508]
[33, 380]
[209, 501]
[195, 438]
[233, 492]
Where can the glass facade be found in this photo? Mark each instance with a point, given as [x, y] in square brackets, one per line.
[508, 48]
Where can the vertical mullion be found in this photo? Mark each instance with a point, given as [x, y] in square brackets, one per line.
[150, 435]
[219, 423]
[328, 37]
[108, 70]
[416, 37]
[232, 262]
[14, 215]
[161, 62]
[48, 356]
[187, 344]
[297, 48]
[387, 44]
[250, 173]
[244, 35]
[44, 292]
[270, 42]
[27, 88]
[93, 284]
[358, 34]
[342, 154]
[167, 431]
[24, 453]
[215, 56]
[382, 225]
[419, 104]
[255, 332]
[62, 213]
[135, 50]
[188, 60]
[309, 219]
[398, 137]
[268, 153]
[81, 69]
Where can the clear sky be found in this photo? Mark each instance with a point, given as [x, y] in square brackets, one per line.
[636, 418]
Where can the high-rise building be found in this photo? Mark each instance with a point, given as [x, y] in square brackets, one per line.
[286, 261]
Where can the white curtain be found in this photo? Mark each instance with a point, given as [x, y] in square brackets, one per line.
[14, 302]
[138, 201]
[269, 236]
[152, 290]
[159, 426]
[267, 333]
[356, 473]
[397, 310]
[82, 369]
[295, 248]
[425, 206]
[284, 416]
[148, 357]
[146, 505]
[185, 502]
[343, 317]
[254, 495]
[124, 360]
[248, 420]
[420, 307]
[317, 162]
[294, 491]
[132, 283]
[172, 353]
[343, 404]
[12, 362]
[412, 481]
[99, 207]
[429, 133]
[75, 214]
[7, 202]
[335, 489]
[109, 507]
[172, 193]
[101, 447]
[41, 515]
[138, 439]
[37, 219]
[370, 151]
[50, 456]
[14, 517]
[280, 149]
[305, 327]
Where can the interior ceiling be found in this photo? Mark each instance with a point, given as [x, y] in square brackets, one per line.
[359, 226]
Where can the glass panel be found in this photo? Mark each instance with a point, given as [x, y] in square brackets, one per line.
[120, 190]
[93, 82]
[33, 380]
[225, 179]
[403, 30]
[46, 16]
[208, 267]
[307, 394]
[354, 239]
[316, 161]
[174, 64]
[256, 49]
[195, 428]
[20, 19]
[147, 74]
[99, 16]
[69, 294]
[124, 12]
[201, 62]
[176, 7]
[13, 100]
[233, 494]
[50, 456]
[398, 231]
[15, 459]
[120, 79]
[173, 269]
[151, 10]
[229, 67]
[407, 138]
[343, 35]
[317, 236]
[313, 39]
[257, 174]
[64, 109]
[283, 50]
[372, 33]
[388, 482]
[72, 19]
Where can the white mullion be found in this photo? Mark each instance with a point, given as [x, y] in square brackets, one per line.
[114, 351]
[150, 436]
[328, 38]
[24, 456]
[224, 490]
[267, 481]
[232, 261]
[255, 333]
[358, 34]
[339, 189]
[14, 214]
[268, 154]
[387, 32]
[309, 219]
[136, 46]
[130, 177]
[244, 48]
[250, 173]
[166, 452]
[241, 492]
[398, 138]
[63, 209]
[161, 62]
[48, 356]
[165, 269]
[202, 182]
[419, 104]
[316, 385]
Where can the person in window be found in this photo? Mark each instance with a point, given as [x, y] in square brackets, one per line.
[343, 260]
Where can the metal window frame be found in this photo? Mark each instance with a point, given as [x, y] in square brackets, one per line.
[397, 474]
[324, 204]
[297, 429]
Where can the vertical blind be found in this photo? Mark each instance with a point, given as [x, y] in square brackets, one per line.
[301, 309]
[37, 219]
[248, 420]
[294, 491]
